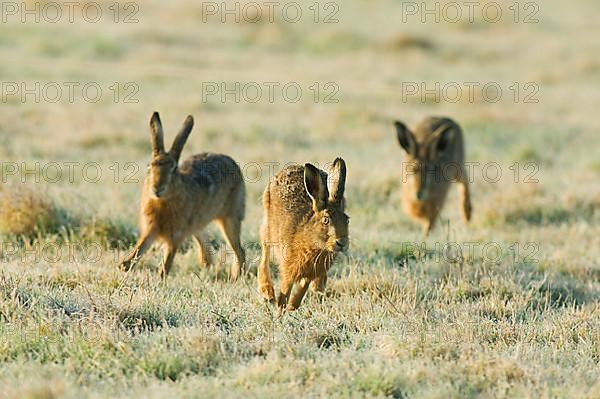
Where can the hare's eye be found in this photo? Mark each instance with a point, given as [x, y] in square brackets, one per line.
[325, 220]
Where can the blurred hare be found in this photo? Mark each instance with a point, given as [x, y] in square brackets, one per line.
[304, 222]
[435, 158]
[180, 200]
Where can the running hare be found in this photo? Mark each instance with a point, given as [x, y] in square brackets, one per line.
[435, 159]
[180, 200]
[304, 222]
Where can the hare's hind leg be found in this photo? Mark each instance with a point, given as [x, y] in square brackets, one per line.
[231, 228]
[143, 244]
[428, 225]
[265, 285]
[465, 195]
[204, 249]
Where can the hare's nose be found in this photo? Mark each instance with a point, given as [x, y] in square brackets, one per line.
[341, 244]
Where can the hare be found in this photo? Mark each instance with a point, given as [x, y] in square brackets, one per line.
[435, 158]
[180, 200]
[304, 222]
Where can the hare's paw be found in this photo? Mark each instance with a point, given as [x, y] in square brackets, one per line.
[126, 265]
[268, 292]
[235, 272]
[163, 273]
[282, 302]
[467, 210]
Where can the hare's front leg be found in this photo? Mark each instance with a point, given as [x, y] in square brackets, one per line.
[286, 288]
[319, 284]
[299, 294]
[465, 195]
[204, 249]
[143, 244]
[428, 226]
[169, 254]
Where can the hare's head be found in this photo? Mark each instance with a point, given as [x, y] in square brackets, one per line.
[328, 223]
[422, 167]
[163, 165]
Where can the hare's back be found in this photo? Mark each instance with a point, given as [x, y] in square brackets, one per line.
[288, 192]
[209, 168]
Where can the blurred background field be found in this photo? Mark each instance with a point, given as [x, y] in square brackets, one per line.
[524, 324]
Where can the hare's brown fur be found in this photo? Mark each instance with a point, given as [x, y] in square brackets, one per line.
[305, 225]
[435, 159]
[179, 201]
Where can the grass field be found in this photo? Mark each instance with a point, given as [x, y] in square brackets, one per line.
[516, 316]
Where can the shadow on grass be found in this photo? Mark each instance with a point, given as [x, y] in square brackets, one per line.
[537, 215]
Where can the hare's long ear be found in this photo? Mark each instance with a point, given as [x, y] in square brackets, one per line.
[156, 132]
[182, 137]
[336, 181]
[441, 138]
[406, 138]
[315, 186]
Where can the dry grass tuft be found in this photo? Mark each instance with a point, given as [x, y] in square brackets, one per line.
[109, 233]
[405, 41]
[28, 213]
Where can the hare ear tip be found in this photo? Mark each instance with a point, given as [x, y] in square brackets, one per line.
[309, 166]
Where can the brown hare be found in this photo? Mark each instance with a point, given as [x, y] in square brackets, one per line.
[305, 224]
[435, 158]
[178, 201]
